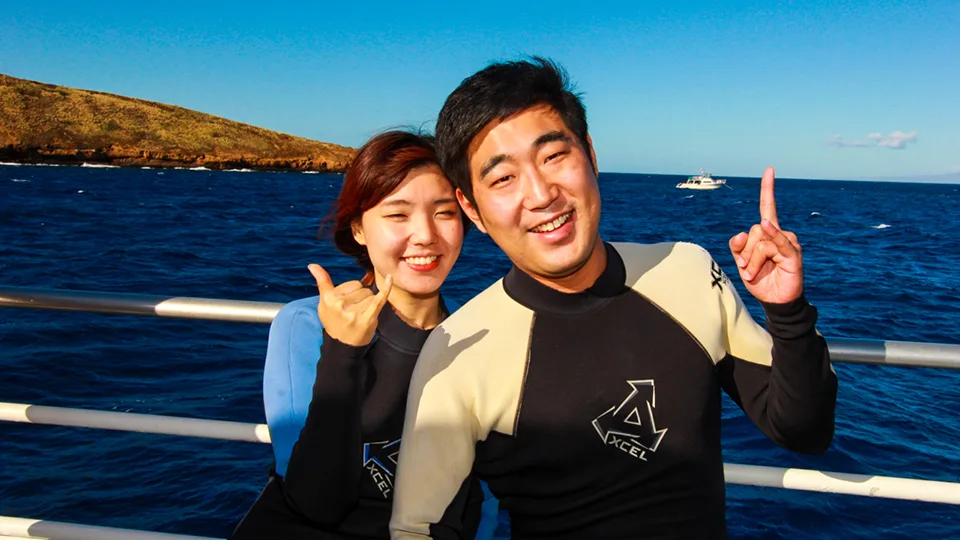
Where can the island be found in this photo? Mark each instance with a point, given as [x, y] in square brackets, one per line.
[49, 124]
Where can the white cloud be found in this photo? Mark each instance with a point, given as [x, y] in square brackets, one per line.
[837, 140]
[896, 140]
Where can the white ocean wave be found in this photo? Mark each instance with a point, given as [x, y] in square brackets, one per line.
[99, 166]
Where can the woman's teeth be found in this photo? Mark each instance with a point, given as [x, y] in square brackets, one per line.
[420, 261]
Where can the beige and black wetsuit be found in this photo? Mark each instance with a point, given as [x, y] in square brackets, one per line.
[597, 414]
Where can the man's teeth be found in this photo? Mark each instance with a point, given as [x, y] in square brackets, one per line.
[547, 227]
[421, 261]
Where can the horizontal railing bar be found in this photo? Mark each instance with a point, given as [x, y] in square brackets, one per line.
[140, 304]
[142, 423]
[55, 530]
[860, 351]
[799, 479]
[894, 353]
[887, 487]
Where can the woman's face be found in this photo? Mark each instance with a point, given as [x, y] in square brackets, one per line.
[414, 233]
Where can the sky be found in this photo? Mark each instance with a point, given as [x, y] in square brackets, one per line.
[817, 89]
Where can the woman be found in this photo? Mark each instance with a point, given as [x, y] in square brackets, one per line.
[398, 218]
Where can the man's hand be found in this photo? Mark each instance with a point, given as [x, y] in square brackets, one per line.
[769, 259]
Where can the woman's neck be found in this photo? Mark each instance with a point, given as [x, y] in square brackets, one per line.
[417, 311]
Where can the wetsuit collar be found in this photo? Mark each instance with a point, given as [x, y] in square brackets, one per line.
[401, 335]
[539, 297]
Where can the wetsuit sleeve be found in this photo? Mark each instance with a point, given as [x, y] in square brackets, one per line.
[437, 453]
[781, 378]
[323, 478]
[461, 520]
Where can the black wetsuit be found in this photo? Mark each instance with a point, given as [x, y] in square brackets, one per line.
[339, 482]
[597, 414]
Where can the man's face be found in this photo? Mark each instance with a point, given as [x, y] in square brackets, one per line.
[536, 193]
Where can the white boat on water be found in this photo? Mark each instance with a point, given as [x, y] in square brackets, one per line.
[702, 181]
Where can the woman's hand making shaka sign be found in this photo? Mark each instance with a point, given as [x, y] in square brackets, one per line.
[349, 311]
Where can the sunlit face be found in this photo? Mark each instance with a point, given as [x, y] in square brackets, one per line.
[536, 193]
[414, 233]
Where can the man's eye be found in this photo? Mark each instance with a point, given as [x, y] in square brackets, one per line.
[555, 155]
[502, 179]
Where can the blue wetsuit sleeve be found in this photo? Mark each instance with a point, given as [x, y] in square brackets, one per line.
[288, 375]
[323, 478]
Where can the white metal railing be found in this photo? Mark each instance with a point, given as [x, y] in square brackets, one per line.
[841, 350]
[143, 423]
[20, 528]
[751, 475]
[894, 353]
[181, 307]
[885, 487]
[861, 351]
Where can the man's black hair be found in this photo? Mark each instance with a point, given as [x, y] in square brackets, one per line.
[495, 93]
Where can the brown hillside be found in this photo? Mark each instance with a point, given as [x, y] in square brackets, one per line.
[44, 123]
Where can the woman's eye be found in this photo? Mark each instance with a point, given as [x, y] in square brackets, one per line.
[396, 216]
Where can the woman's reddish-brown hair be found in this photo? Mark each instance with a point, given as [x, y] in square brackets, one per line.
[379, 167]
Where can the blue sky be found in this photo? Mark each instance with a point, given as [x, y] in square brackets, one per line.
[817, 89]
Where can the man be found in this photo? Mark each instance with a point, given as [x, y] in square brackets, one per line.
[585, 386]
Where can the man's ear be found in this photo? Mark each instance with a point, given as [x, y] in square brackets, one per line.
[470, 211]
[357, 229]
[593, 155]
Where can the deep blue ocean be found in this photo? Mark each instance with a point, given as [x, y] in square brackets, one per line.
[882, 262]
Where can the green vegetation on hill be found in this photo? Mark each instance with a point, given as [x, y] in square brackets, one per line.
[48, 123]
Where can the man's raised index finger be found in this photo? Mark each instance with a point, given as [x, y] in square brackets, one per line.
[768, 204]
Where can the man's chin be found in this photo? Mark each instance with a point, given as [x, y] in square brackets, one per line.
[567, 264]
[564, 269]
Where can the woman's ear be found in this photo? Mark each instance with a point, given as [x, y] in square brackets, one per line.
[357, 228]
